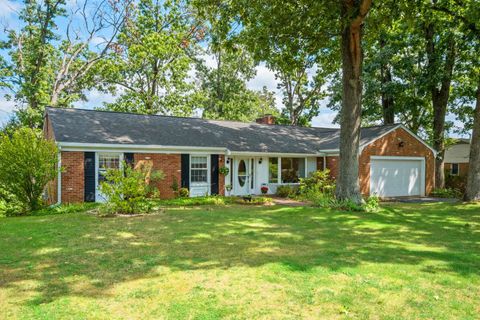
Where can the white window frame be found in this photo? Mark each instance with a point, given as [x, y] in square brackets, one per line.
[279, 170]
[458, 169]
[200, 184]
[97, 167]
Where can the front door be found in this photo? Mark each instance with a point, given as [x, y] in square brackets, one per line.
[242, 177]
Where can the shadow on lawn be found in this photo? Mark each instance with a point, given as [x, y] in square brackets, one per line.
[84, 255]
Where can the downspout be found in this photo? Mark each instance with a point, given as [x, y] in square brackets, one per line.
[324, 162]
[59, 177]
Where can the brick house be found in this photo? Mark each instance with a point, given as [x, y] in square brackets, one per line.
[393, 161]
[457, 158]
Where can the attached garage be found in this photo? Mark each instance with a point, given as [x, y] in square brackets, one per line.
[397, 176]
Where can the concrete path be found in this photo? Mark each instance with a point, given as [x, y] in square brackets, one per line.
[420, 200]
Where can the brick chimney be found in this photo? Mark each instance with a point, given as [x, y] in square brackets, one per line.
[266, 119]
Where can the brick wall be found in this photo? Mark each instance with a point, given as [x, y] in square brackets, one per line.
[221, 178]
[170, 164]
[332, 165]
[462, 167]
[72, 177]
[389, 146]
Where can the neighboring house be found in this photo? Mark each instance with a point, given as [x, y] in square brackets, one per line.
[393, 161]
[457, 157]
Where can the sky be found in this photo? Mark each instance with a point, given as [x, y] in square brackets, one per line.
[264, 77]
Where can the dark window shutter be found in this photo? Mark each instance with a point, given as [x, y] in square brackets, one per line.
[214, 173]
[185, 171]
[128, 158]
[89, 175]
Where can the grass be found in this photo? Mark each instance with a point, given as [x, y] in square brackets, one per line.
[244, 262]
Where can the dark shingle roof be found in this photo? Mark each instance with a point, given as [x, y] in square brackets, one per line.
[89, 126]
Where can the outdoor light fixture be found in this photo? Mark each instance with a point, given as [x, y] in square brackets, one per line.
[228, 161]
[401, 144]
[260, 161]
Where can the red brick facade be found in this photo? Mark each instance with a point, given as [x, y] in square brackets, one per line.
[221, 178]
[397, 143]
[462, 169]
[169, 164]
[72, 177]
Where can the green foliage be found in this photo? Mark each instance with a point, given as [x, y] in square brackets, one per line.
[9, 205]
[318, 182]
[286, 191]
[27, 163]
[126, 191]
[183, 192]
[174, 185]
[447, 193]
[149, 69]
[65, 209]
[224, 171]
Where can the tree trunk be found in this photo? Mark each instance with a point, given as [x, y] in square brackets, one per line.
[387, 98]
[440, 96]
[388, 110]
[473, 179]
[352, 57]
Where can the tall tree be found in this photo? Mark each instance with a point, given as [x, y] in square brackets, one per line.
[48, 67]
[473, 180]
[149, 68]
[353, 14]
[441, 53]
[224, 72]
[466, 14]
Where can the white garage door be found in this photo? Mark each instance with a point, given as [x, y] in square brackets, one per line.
[397, 176]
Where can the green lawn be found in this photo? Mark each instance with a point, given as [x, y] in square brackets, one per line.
[244, 262]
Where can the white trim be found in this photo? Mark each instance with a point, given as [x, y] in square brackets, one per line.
[59, 178]
[362, 146]
[275, 154]
[393, 129]
[458, 168]
[196, 184]
[97, 163]
[422, 173]
[105, 147]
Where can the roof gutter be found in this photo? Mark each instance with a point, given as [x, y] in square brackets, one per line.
[75, 146]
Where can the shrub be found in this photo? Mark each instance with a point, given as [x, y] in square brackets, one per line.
[456, 182]
[286, 191]
[372, 204]
[183, 192]
[318, 182]
[447, 193]
[126, 191]
[253, 200]
[27, 163]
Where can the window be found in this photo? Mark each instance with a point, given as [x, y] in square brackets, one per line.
[107, 161]
[198, 169]
[273, 170]
[455, 170]
[292, 169]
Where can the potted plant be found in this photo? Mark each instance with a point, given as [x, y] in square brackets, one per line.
[228, 188]
[223, 171]
[264, 188]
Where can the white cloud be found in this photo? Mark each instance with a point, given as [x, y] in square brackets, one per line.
[325, 119]
[9, 8]
[95, 99]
